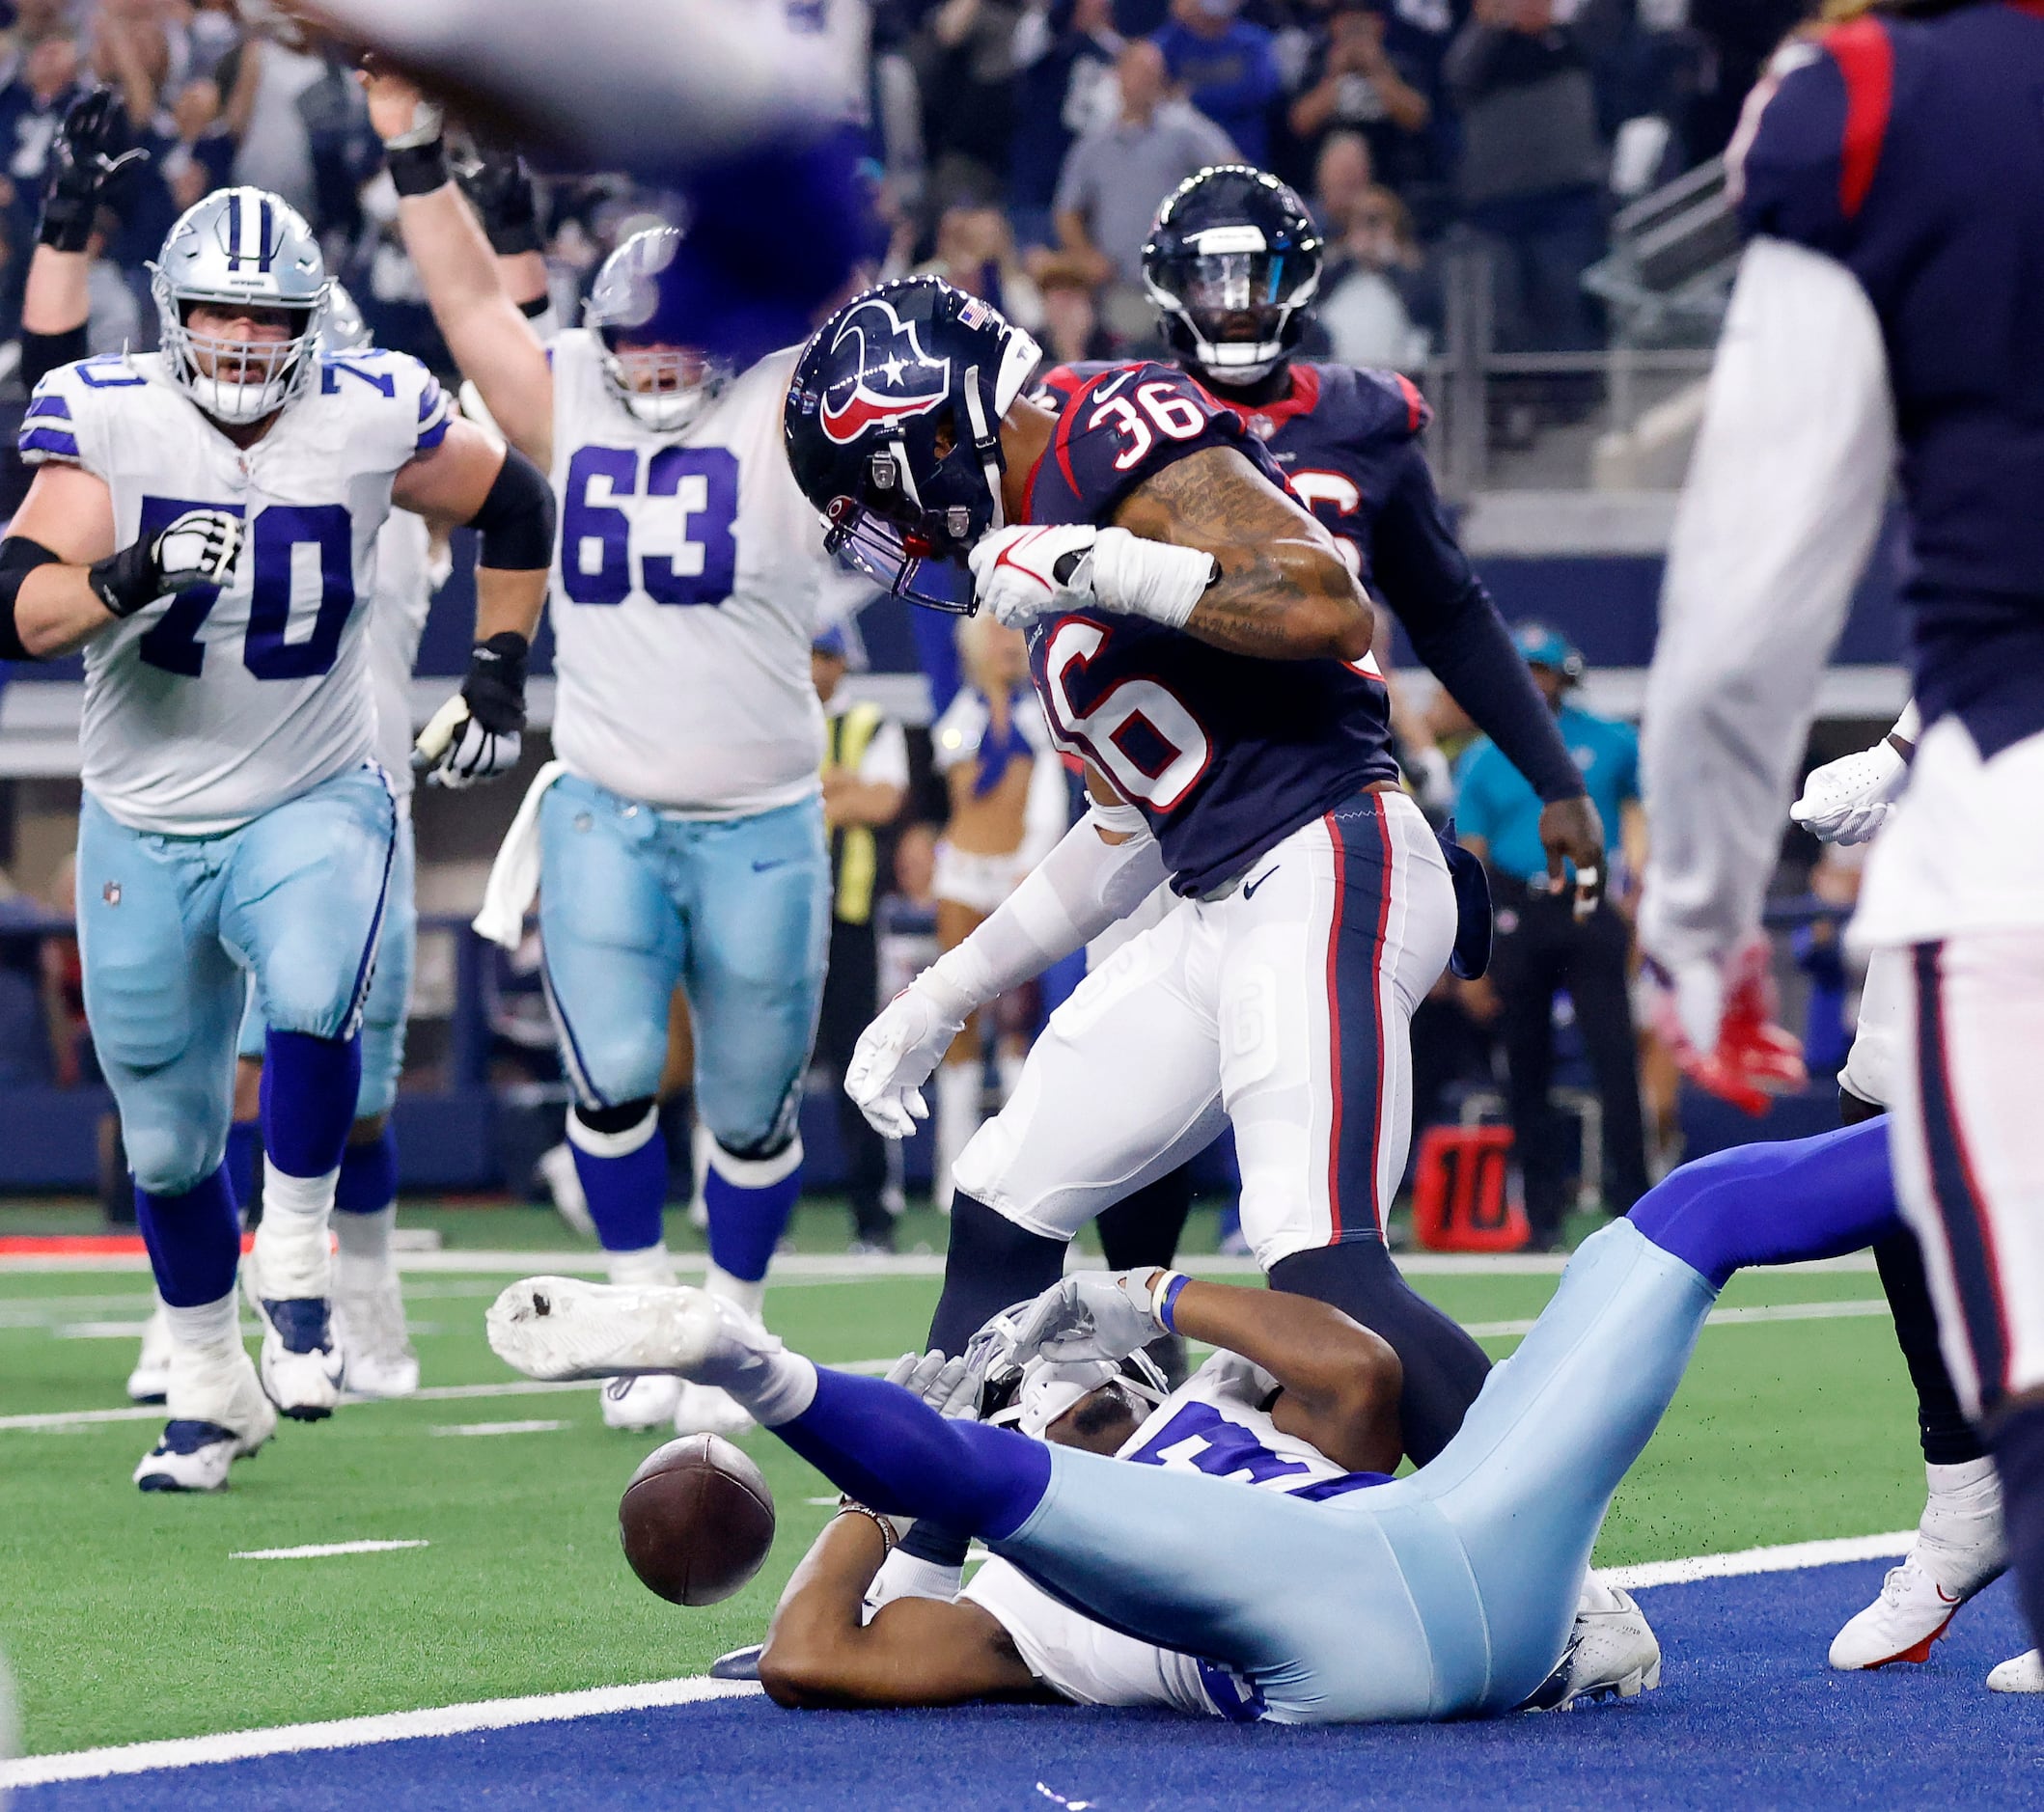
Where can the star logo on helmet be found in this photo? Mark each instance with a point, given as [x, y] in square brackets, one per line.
[895, 378]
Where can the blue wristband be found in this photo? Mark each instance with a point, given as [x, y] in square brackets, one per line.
[1167, 1299]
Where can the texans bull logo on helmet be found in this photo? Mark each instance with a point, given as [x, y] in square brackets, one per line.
[894, 377]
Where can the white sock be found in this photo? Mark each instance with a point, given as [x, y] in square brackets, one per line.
[209, 1325]
[292, 1256]
[1972, 1479]
[737, 1292]
[363, 1262]
[769, 1382]
[903, 1575]
[650, 1267]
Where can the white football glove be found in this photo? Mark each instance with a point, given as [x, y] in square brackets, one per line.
[949, 1386]
[476, 734]
[1848, 800]
[1016, 572]
[1089, 1315]
[198, 548]
[894, 1056]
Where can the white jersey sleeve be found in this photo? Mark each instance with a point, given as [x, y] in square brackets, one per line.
[1786, 493]
[206, 709]
[686, 590]
[1087, 1661]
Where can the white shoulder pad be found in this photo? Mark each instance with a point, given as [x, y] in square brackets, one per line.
[400, 408]
[65, 422]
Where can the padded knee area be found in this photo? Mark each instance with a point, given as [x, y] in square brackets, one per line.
[616, 1123]
[171, 1153]
[1444, 1367]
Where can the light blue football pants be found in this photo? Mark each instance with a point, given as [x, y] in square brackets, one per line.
[1452, 1591]
[171, 927]
[390, 988]
[736, 911]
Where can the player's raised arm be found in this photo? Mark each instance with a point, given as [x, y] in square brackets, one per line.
[469, 478]
[485, 329]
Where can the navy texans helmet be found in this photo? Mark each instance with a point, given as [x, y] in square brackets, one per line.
[893, 425]
[1232, 263]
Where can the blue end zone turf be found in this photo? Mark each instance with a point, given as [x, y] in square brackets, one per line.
[1747, 1714]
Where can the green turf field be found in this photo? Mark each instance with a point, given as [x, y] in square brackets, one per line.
[126, 1618]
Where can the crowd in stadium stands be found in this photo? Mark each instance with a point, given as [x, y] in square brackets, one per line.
[1018, 148]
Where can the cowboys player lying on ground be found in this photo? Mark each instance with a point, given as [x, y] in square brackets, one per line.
[1448, 1593]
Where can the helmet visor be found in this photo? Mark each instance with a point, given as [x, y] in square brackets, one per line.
[1235, 296]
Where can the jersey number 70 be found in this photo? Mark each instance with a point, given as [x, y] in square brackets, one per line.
[267, 649]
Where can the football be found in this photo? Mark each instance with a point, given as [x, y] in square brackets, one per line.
[697, 1519]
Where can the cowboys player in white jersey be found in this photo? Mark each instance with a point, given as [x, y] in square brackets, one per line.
[376, 1355]
[202, 522]
[679, 832]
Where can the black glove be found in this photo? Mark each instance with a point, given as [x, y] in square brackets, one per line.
[500, 190]
[82, 167]
[476, 734]
[198, 548]
[495, 686]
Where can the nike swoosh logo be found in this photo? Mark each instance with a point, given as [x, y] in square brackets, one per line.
[1111, 385]
[779, 861]
[1249, 887]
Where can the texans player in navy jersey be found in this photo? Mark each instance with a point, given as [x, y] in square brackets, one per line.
[1891, 171]
[1234, 265]
[1196, 636]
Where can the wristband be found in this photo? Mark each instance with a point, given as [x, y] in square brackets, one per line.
[418, 169]
[1152, 579]
[1164, 1298]
[847, 1507]
[128, 581]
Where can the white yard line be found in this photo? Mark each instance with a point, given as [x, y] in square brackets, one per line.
[496, 1428]
[503, 1714]
[67, 1420]
[348, 1733]
[1789, 1557]
[844, 1268]
[323, 1551]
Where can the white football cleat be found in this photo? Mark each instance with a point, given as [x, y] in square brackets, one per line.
[218, 1415]
[641, 1401]
[1958, 1552]
[2024, 1674]
[1612, 1653]
[562, 1327]
[377, 1356]
[704, 1410]
[301, 1360]
[150, 1381]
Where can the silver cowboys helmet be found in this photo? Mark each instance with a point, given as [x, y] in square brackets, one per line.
[645, 307]
[345, 330]
[250, 247]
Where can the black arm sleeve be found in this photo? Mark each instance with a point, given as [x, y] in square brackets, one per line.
[1456, 631]
[18, 557]
[516, 520]
[43, 353]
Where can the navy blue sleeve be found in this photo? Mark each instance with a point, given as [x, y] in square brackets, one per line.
[1456, 631]
[1811, 143]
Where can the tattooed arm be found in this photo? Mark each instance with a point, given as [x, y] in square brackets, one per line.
[1283, 592]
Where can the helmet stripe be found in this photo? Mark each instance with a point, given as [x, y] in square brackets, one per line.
[233, 231]
[268, 247]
